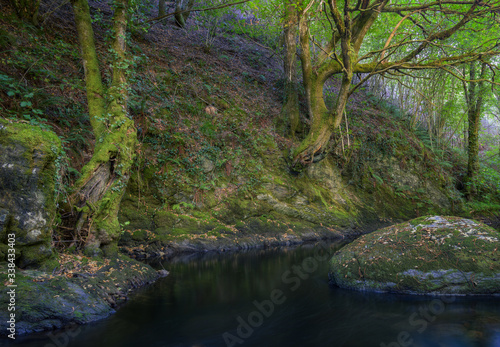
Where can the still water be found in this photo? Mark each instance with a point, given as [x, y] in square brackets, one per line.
[278, 297]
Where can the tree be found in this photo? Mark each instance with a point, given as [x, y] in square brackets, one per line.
[98, 192]
[359, 43]
[496, 113]
[182, 11]
[162, 8]
[474, 92]
[291, 101]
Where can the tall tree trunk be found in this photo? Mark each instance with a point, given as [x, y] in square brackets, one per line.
[162, 8]
[181, 16]
[99, 190]
[93, 82]
[323, 121]
[290, 109]
[474, 92]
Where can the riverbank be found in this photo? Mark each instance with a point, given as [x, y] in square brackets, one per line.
[208, 296]
[253, 233]
[80, 290]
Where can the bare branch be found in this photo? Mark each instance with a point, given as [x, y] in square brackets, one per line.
[394, 33]
[197, 10]
[400, 8]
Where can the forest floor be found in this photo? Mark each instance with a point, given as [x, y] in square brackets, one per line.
[207, 108]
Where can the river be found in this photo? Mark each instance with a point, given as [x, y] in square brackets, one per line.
[278, 297]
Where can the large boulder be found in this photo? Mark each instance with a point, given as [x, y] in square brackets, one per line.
[29, 166]
[427, 255]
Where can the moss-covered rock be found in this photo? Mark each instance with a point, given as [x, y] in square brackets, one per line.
[29, 158]
[79, 290]
[427, 255]
[204, 233]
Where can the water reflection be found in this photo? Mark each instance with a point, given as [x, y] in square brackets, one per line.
[210, 299]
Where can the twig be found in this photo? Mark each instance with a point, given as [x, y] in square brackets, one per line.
[47, 15]
[196, 10]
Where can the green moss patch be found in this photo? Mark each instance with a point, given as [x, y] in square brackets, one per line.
[78, 290]
[30, 164]
[427, 255]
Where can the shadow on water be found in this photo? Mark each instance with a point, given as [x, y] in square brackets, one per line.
[278, 297]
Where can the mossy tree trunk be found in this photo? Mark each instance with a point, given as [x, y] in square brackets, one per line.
[162, 8]
[496, 95]
[324, 121]
[182, 11]
[474, 95]
[100, 188]
[290, 111]
[350, 23]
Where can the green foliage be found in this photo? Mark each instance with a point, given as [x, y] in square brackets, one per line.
[182, 204]
[487, 184]
[24, 102]
[138, 14]
[27, 9]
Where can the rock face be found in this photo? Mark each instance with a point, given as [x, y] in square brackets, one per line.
[427, 255]
[28, 174]
[79, 294]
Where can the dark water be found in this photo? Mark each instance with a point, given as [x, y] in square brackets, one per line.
[278, 297]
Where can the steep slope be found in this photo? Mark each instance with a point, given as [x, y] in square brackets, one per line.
[212, 170]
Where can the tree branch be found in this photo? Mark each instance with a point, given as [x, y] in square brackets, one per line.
[196, 10]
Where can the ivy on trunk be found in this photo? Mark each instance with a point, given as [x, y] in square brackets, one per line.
[99, 190]
[474, 91]
[350, 24]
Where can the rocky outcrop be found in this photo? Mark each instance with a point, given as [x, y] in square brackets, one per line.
[29, 159]
[427, 255]
[82, 290]
[193, 235]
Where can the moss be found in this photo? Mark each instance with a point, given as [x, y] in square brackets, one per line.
[110, 249]
[278, 180]
[222, 229]
[36, 140]
[31, 136]
[446, 255]
[35, 255]
[237, 208]
[139, 214]
[35, 155]
[46, 301]
[140, 235]
[214, 233]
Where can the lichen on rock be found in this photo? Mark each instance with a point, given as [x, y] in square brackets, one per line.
[80, 290]
[427, 255]
[28, 175]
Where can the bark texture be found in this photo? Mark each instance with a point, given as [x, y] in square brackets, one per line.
[162, 8]
[291, 100]
[182, 8]
[474, 96]
[104, 178]
[340, 56]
